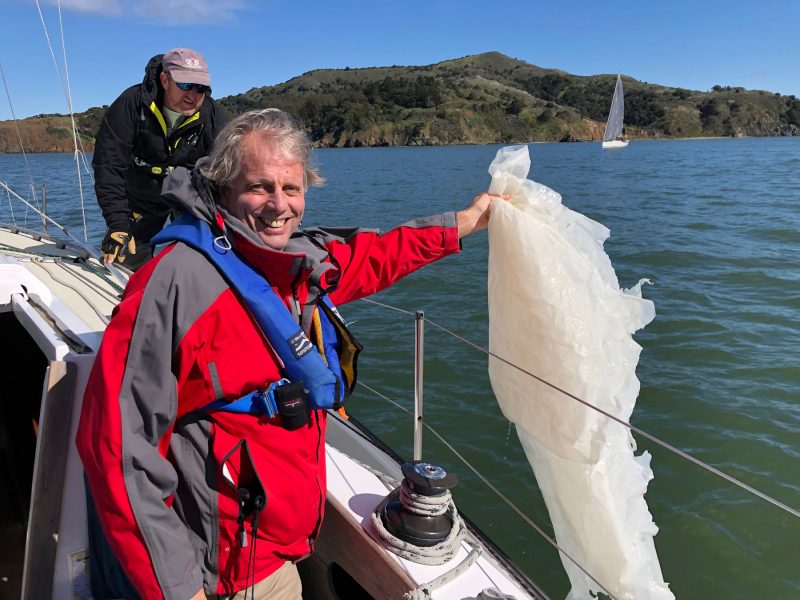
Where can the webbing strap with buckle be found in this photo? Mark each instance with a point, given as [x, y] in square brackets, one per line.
[260, 402]
[299, 359]
[154, 169]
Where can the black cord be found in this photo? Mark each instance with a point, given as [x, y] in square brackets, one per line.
[250, 577]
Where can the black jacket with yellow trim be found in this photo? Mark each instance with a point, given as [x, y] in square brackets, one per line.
[133, 151]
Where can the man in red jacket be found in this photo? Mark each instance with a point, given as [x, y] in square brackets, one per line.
[195, 499]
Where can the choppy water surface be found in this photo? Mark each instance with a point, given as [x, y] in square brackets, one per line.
[714, 224]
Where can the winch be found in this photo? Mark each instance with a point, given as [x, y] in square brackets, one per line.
[417, 511]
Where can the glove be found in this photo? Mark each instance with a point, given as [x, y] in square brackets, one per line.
[117, 246]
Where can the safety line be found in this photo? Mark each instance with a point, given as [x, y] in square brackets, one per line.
[792, 511]
[491, 486]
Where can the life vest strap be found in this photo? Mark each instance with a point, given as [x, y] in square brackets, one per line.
[300, 360]
[260, 402]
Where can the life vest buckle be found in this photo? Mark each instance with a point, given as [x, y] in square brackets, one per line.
[267, 403]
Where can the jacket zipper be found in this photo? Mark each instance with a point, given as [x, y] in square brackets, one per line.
[294, 303]
[297, 312]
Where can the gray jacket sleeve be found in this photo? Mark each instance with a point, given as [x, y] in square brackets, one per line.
[177, 294]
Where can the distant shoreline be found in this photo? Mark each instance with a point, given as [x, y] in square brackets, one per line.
[477, 99]
[638, 140]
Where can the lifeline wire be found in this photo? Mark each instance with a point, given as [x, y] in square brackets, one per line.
[792, 511]
[489, 484]
[66, 232]
[641, 432]
[86, 248]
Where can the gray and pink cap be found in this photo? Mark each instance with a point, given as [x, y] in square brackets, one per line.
[185, 65]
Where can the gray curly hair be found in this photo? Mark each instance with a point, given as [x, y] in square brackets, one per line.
[278, 130]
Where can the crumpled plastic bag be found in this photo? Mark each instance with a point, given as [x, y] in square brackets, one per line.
[556, 310]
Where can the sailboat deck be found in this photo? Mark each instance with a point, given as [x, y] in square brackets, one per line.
[78, 292]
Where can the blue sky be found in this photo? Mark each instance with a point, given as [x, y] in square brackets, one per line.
[249, 43]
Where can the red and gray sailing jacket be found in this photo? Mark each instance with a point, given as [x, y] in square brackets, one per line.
[163, 472]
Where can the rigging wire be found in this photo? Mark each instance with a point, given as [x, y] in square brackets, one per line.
[652, 438]
[489, 484]
[76, 138]
[11, 208]
[21, 147]
[109, 268]
[83, 246]
[68, 95]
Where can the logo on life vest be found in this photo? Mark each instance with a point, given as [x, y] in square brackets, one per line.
[300, 344]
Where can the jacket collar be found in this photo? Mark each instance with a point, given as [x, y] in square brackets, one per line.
[150, 90]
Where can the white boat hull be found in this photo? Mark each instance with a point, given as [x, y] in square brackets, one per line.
[615, 144]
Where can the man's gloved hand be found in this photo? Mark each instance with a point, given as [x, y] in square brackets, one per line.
[117, 246]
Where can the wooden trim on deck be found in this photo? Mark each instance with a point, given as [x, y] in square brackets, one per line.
[343, 541]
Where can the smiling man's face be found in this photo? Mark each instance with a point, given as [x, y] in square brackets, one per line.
[268, 193]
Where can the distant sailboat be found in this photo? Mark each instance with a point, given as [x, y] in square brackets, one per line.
[613, 138]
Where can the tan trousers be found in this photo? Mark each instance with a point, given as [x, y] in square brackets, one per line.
[283, 584]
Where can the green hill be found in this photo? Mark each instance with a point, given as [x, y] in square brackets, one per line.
[486, 98]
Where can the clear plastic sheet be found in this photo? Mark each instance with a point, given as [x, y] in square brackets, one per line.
[556, 310]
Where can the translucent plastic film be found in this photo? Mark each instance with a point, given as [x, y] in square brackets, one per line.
[556, 310]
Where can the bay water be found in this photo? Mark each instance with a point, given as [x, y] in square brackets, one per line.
[714, 225]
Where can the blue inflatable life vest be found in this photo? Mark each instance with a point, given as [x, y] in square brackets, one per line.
[328, 385]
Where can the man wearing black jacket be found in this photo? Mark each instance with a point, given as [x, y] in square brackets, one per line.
[167, 121]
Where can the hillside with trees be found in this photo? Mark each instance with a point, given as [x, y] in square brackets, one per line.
[486, 98]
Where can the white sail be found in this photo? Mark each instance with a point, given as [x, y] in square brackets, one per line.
[616, 115]
[556, 310]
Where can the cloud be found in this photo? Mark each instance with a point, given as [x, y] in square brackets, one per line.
[107, 7]
[168, 12]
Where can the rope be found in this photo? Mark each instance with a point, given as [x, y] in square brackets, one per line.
[89, 303]
[436, 505]
[488, 484]
[59, 263]
[99, 273]
[424, 591]
[7, 248]
[439, 553]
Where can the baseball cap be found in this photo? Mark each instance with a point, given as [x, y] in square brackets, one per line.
[185, 65]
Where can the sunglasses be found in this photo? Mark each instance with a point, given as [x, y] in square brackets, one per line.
[201, 89]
